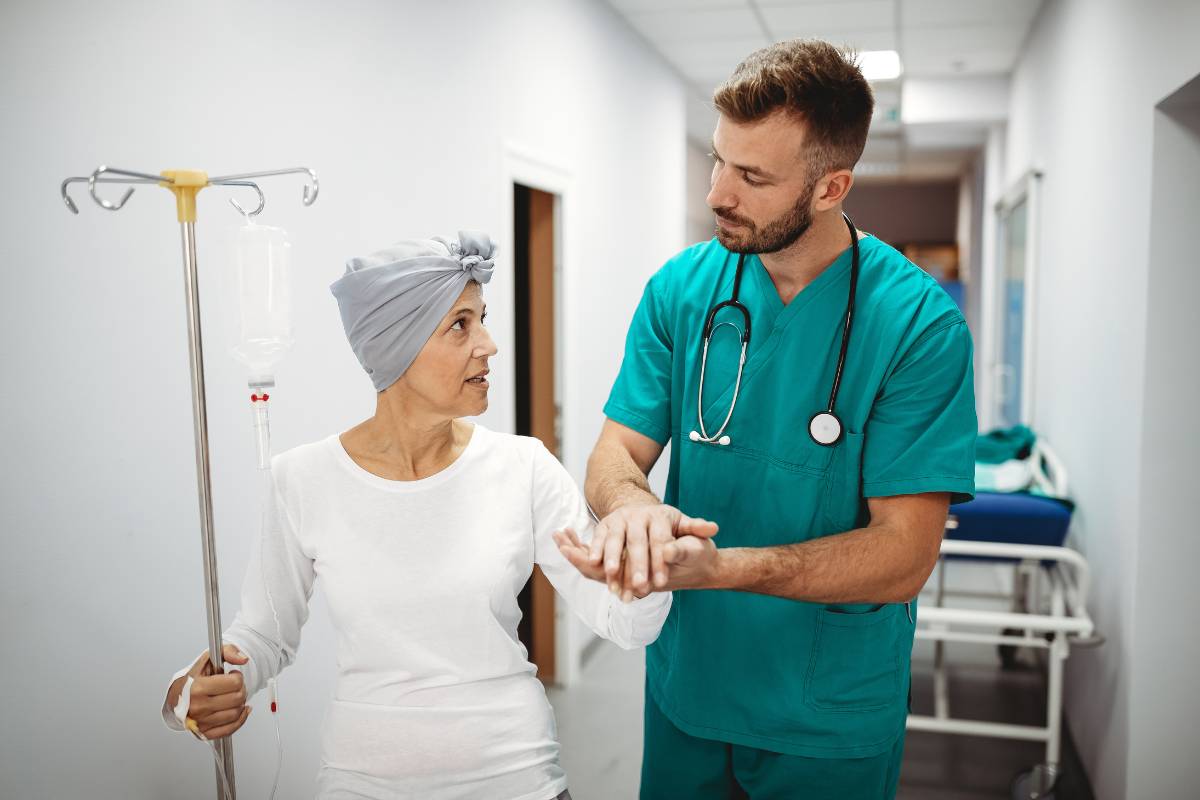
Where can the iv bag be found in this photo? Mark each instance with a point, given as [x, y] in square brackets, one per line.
[263, 256]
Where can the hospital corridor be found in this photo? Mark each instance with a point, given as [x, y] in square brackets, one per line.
[599, 400]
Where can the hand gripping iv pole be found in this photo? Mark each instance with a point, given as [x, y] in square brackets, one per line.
[185, 184]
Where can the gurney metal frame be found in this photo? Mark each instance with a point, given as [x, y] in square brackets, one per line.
[1048, 611]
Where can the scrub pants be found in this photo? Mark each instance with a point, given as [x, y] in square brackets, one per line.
[677, 765]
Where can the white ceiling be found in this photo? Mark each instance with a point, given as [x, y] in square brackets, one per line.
[937, 39]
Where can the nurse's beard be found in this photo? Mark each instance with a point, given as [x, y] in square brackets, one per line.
[774, 236]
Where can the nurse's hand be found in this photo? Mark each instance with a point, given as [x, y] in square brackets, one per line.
[218, 702]
[629, 543]
[691, 561]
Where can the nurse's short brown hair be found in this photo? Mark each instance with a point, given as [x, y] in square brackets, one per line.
[816, 83]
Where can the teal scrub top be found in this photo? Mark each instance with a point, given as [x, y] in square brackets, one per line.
[781, 675]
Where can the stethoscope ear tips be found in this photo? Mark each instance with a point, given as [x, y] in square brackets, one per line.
[724, 441]
[694, 436]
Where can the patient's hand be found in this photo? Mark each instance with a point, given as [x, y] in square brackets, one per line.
[576, 552]
[628, 544]
[218, 702]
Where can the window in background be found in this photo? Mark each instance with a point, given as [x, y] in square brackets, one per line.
[1013, 363]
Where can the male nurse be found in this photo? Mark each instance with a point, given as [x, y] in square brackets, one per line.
[783, 668]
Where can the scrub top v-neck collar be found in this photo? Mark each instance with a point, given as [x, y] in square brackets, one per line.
[832, 274]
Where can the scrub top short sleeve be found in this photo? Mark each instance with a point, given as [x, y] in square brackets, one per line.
[921, 430]
[641, 395]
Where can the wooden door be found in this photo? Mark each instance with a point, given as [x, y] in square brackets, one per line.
[537, 401]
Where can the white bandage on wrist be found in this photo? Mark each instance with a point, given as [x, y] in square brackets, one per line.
[184, 703]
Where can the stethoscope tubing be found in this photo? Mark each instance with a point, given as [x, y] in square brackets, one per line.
[719, 437]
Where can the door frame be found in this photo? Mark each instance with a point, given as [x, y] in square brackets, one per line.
[530, 167]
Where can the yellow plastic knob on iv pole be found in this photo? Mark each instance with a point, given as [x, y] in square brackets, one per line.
[186, 182]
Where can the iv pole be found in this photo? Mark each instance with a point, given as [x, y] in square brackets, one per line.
[184, 184]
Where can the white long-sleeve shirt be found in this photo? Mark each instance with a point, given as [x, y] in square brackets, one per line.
[435, 695]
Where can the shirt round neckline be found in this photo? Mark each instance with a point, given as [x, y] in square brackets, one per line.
[452, 469]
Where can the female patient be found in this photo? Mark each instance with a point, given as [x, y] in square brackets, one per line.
[423, 529]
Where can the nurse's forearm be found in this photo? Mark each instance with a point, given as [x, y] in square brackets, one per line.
[615, 480]
[870, 565]
[886, 562]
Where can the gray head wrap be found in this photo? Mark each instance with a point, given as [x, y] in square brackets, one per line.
[392, 301]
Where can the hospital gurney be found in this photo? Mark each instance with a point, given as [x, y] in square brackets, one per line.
[1047, 607]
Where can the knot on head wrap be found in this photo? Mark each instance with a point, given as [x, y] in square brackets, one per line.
[474, 252]
[392, 301]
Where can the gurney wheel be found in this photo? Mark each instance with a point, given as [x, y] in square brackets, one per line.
[1008, 652]
[1035, 784]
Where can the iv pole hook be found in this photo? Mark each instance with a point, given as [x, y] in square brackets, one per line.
[262, 198]
[128, 193]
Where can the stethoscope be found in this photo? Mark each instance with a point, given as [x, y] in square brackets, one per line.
[825, 427]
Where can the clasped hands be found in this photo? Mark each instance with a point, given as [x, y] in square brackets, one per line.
[639, 549]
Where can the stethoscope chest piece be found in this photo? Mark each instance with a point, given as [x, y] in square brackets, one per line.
[825, 428]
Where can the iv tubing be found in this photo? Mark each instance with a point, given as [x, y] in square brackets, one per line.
[220, 768]
[262, 427]
[262, 437]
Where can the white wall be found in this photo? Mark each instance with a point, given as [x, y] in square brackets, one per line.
[971, 232]
[406, 110]
[965, 101]
[700, 222]
[1164, 697]
[1083, 97]
[992, 189]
